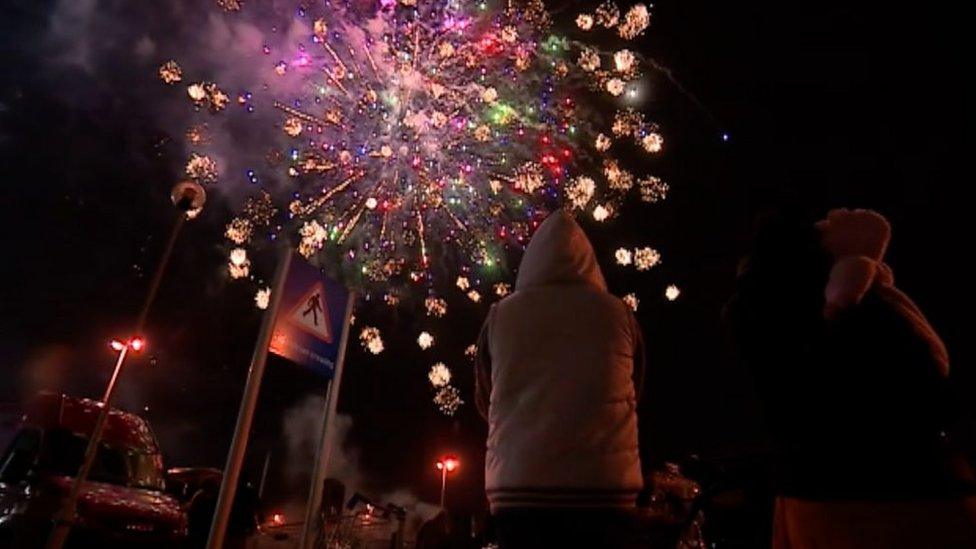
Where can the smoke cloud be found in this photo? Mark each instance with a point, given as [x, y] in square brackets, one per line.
[302, 425]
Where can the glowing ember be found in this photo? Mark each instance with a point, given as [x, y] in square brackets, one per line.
[615, 86]
[448, 400]
[623, 256]
[439, 375]
[238, 265]
[652, 142]
[580, 191]
[601, 213]
[635, 22]
[202, 168]
[652, 189]
[607, 14]
[262, 298]
[170, 72]
[239, 230]
[672, 292]
[238, 256]
[435, 306]
[370, 339]
[624, 61]
[646, 258]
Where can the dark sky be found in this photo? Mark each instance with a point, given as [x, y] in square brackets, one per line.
[856, 104]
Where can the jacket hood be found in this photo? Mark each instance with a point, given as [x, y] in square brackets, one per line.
[559, 254]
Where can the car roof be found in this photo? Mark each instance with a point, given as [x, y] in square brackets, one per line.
[78, 415]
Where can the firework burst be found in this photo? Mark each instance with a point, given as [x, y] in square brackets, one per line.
[423, 140]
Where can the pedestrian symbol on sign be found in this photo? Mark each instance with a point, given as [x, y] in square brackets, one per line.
[312, 314]
[314, 307]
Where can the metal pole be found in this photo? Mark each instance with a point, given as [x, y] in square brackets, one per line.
[324, 451]
[245, 416]
[264, 475]
[66, 517]
[443, 484]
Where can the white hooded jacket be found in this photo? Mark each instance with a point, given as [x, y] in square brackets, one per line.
[559, 367]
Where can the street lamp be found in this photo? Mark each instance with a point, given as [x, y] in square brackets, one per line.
[188, 197]
[447, 464]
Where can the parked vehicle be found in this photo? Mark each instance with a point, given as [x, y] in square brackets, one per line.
[123, 503]
[198, 488]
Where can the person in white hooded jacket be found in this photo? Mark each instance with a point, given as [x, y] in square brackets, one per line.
[558, 377]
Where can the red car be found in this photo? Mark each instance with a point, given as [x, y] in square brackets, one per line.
[123, 503]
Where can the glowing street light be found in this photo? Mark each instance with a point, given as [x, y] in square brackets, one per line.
[188, 197]
[447, 464]
[137, 344]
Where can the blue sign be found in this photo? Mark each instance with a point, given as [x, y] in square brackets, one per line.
[311, 318]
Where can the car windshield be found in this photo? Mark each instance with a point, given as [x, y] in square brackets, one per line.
[63, 450]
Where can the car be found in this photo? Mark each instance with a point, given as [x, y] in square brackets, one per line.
[123, 503]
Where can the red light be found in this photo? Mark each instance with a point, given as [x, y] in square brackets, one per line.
[117, 345]
[277, 519]
[450, 463]
[137, 343]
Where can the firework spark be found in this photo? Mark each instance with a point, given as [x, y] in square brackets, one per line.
[371, 340]
[623, 256]
[170, 72]
[672, 292]
[448, 400]
[238, 264]
[262, 298]
[646, 258]
[439, 375]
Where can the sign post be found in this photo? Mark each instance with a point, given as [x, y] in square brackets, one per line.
[307, 323]
[255, 374]
[324, 450]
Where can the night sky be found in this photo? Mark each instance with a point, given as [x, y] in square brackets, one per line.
[862, 105]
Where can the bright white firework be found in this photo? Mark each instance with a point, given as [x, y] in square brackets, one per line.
[672, 292]
[371, 340]
[601, 212]
[238, 265]
[448, 400]
[646, 258]
[439, 375]
[623, 256]
[436, 307]
[425, 340]
[262, 298]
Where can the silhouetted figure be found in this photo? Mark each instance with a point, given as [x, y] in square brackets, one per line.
[854, 382]
[434, 534]
[558, 375]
